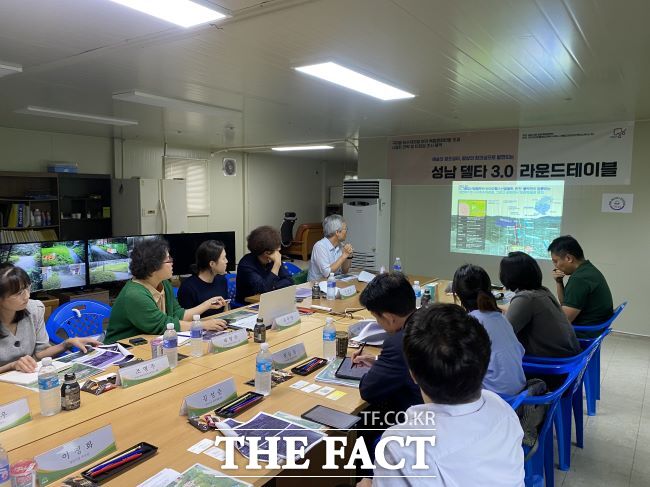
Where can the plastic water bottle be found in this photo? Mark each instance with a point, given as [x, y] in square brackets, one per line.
[418, 294]
[263, 364]
[196, 335]
[170, 345]
[329, 340]
[382, 270]
[49, 393]
[4, 468]
[397, 265]
[331, 287]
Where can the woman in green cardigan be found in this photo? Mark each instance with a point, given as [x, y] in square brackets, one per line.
[147, 303]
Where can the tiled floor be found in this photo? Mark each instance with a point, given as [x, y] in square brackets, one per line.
[617, 439]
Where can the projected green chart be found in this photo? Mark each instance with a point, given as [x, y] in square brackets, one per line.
[494, 218]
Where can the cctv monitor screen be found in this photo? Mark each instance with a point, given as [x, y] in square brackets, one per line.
[109, 259]
[63, 264]
[27, 256]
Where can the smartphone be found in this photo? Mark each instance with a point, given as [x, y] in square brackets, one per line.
[331, 417]
[137, 341]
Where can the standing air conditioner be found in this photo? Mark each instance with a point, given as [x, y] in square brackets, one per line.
[366, 209]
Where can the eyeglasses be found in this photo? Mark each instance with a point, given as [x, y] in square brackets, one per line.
[168, 261]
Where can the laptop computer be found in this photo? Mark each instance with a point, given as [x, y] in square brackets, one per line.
[272, 304]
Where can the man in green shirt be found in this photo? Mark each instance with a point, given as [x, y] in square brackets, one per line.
[586, 298]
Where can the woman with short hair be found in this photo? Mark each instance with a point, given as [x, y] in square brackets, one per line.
[261, 270]
[147, 303]
[23, 337]
[536, 316]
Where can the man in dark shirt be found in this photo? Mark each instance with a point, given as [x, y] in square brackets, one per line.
[586, 298]
[261, 270]
[388, 386]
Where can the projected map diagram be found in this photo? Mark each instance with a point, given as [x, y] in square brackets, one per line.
[494, 218]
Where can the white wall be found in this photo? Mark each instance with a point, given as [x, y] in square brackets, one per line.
[616, 243]
[29, 150]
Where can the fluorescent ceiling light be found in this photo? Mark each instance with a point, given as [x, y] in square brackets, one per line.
[180, 12]
[143, 98]
[7, 69]
[355, 81]
[81, 117]
[302, 147]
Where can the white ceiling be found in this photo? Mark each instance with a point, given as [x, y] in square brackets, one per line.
[472, 64]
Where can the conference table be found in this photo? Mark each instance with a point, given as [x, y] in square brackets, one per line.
[150, 411]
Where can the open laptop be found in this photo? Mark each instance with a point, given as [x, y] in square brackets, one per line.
[272, 304]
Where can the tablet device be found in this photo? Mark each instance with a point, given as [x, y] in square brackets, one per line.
[346, 371]
[331, 417]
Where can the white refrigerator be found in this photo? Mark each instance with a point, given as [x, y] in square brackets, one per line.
[148, 206]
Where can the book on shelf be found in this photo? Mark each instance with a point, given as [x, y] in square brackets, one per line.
[25, 236]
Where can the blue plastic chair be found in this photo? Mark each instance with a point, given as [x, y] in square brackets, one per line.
[515, 400]
[77, 319]
[572, 400]
[291, 268]
[539, 465]
[231, 279]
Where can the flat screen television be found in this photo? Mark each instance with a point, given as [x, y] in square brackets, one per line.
[182, 248]
[109, 259]
[27, 256]
[63, 264]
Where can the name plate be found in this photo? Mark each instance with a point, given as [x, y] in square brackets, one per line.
[65, 459]
[226, 341]
[144, 371]
[14, 413]
[285, 321]
[289, 356]
[209, 398]
[347, 291]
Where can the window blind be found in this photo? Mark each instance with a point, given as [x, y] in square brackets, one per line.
[195, 173]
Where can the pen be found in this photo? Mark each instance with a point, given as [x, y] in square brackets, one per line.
[116, 459]
[241, 406]
[359, 354]
[113, 466]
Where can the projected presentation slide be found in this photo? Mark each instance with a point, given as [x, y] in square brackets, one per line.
[109, 259]
[64, 264]
[494, 218]
[26, 256]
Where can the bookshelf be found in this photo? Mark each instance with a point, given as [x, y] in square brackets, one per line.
[71, 206]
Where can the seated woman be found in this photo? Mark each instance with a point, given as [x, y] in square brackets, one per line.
[23, 338]
[261, 270]
[536, 316]
[147, 303]
[208, 278]
[505, 374]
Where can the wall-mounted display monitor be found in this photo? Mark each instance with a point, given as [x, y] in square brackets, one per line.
[63, 264]
[109, 259]
[26, 256]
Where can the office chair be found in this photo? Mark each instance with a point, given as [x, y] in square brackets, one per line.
[286, 232]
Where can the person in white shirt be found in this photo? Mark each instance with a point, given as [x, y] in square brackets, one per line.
[467, 436]
[330, 253]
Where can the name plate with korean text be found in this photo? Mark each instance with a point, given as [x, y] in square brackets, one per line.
[65, 459]
[347, 291]
[289, 356]
[226, 341]
[285, 321]
[14, 413]
[143, 371]
[209, 398]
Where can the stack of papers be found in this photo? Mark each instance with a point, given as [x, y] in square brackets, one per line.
[23, 378]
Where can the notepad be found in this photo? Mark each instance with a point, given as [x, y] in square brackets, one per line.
[23, 378]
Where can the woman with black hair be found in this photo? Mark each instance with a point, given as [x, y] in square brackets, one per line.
[536, 316]
[23, 337]
[207, 279]
[147, 303]
[505, 374]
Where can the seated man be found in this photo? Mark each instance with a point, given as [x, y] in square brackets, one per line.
[586, 298]
[387, 386]
[470, 437]
[261, 270]
[328, 254]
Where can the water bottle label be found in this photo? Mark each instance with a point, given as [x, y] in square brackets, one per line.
[329, 336]
[4, 473]
[397, 268]
[170, 343]
[263, 366]
[418, 293]
[331, 284]
[196, 333]
[48, 383]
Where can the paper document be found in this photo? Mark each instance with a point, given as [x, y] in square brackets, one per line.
[23, 378]
[365, 276]
[368, 332]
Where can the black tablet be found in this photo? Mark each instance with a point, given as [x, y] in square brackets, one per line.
[331, 417]
[347, 371]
